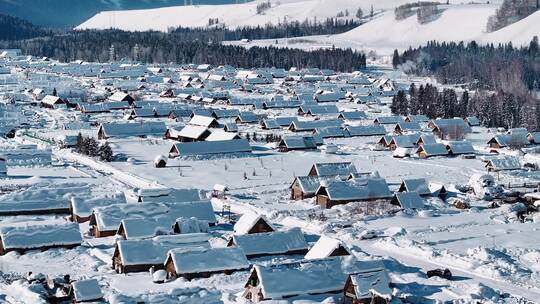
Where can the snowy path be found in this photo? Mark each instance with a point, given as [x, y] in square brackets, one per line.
[126, 178]
[412, 260]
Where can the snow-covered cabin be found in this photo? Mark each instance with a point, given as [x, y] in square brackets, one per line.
[288, 242]
[252, 223]
[246, 118]
[452, 128]
[429, 150]
[408, 200]
[203, 121]
[405, 127]
[352, 115]
[304, 187]
[503, 163]
[144, 228]
[281, 281]
[327, 247]
[332, 169]
[139, 129]
[418, 185]
[191, 264]
[514, 140]
[140, 255]
[370, 286]
[81, 209]
[105, 221]
[312, 125]
[39, 237]
[388, 120]
[341, 192]
[122, 97]
[185, 225]
[189, 133]
[210, 147]
[460, 147]
[52, 102]
[291, 143]
[367, 130]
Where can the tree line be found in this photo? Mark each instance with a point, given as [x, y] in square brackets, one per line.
[503, 67]
[216, 32]
[493, 109]
[158, 47]
[13, 28]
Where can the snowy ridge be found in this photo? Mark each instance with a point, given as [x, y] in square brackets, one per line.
[233, 15]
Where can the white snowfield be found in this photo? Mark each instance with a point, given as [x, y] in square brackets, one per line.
[232, 15]
[462, 22]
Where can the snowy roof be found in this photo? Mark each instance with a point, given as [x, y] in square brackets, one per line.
[205, 121]
[247, 117]
[140, 228]
[324, 247]
[120, 96]
[376, 282]
[309, 277]
[405, 141]
[192, 131]
[51, 100]
[330, 169]
[247, 221]
[353, 115]
[213, 147]
[386, 120]
[36, 236]
[220, 135]
[433, 149]
[368, 188]
[508, 140]
[308, 184]
[408, 126]
[368, 130]
[409, 200]
[427, 139]
[154, 251]
[418, 118]
[473, 121]
[329, 132]
[83, 207]
[311, 125]
[504, 163]
[276, 242]
[446, 125]
[299, 142]
[86, 290]
[208, 260]
[418, 185]
[460, 147]
[109, 218]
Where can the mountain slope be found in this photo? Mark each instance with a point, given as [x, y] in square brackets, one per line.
[68, 13]
[520, 33]
[232, 15]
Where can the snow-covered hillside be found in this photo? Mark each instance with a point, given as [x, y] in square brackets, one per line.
[231, 15]
[461, 22]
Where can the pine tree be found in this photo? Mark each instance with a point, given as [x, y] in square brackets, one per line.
[395, 59]
[105, 152]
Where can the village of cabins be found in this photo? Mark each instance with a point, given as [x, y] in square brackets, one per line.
[261, 184]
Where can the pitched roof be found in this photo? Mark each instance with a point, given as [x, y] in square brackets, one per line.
[418, 185]
[332, 169]
[368, 188]
[154, 250]
[276, 242]
[208, 260]
[376, 282]
[247, 221]
[324, 247]
[35, 236]
[309, 277]
[408, 200]
[213, 147]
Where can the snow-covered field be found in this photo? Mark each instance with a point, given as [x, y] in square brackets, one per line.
[492, 251]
